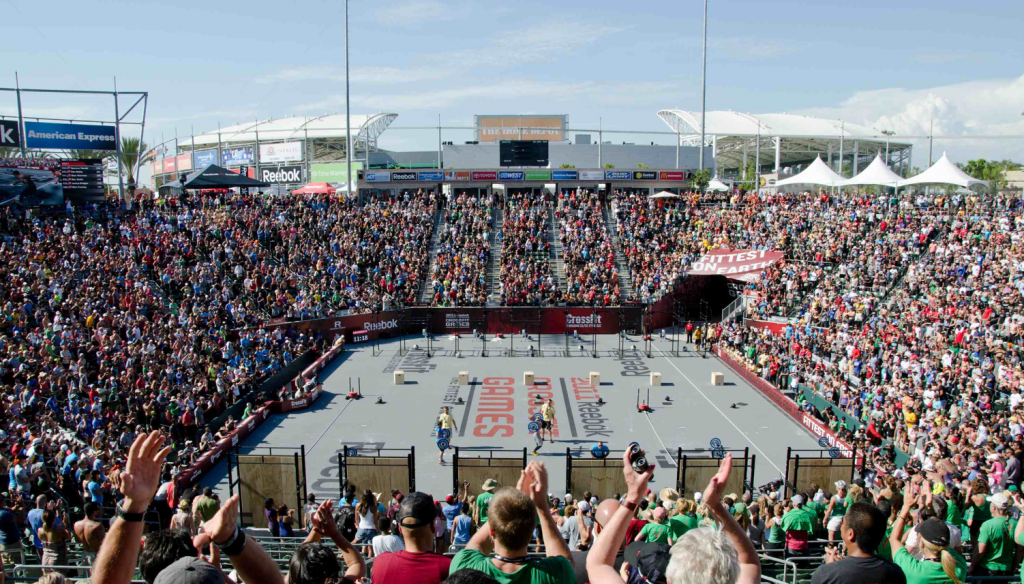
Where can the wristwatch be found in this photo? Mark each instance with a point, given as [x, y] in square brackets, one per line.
[128, 516]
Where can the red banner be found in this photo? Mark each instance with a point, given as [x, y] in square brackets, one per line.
[666, 175]
[736, 264]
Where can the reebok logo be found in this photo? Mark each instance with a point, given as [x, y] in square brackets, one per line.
[285, 174]
[381, 326]
[9, 136]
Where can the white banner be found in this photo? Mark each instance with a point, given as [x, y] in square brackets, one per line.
[592, 175]
[284, 152]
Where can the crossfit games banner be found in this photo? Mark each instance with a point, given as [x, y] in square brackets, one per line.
[735, 264]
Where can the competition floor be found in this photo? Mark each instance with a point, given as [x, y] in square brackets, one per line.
[497, 406]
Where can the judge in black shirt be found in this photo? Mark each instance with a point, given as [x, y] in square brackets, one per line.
[863, 530]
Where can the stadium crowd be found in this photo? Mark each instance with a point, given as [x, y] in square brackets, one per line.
[591, 274]
[459, 273]
[526, 277]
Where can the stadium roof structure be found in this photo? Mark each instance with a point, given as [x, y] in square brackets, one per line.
[365, 130]
[785, 139]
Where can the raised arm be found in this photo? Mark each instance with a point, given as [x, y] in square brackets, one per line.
[251, 561]
[534, 482]
[323, 522]
[601, 559]
[896, 537]
[119, 553]
[750, 565]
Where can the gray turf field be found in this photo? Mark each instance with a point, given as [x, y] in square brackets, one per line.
[496, 407]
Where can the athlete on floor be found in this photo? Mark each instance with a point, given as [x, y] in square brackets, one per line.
[548, 420]
[445, 422]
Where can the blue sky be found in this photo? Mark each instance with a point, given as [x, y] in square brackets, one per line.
[899, 64]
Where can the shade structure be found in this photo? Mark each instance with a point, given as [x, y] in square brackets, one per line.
[212, 176]
[944, 172]
[818, 173]
[315, 189]
[664, 195]
[877, 173]
[717, 185]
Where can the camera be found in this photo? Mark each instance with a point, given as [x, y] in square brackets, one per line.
[636, 458]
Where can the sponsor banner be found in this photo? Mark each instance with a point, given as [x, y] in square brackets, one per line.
[645, 175]
[617, 175]
[168, 165]
[673, 175]
[10, 135]
[484, 175]
[496, 128]
[742, 264]
[282, 175]
[378, 177]
[49, 135]
[236, 156]
[431, 175]
[184, 162]
[456, 175]
[204, 158]
[334, 172]
[403, 176]
[591, 175]
[284, 152]
[511, 175]
[775, 327]
[538, 175]
[564, 175]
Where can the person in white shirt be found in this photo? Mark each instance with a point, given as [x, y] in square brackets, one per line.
[386, 542]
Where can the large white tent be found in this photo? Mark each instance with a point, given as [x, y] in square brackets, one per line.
[818, 173]
[717, 186]
[943, 172]
[877, 173]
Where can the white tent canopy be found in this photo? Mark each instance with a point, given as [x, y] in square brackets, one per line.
[664, 195]
[717, 185]
[818, 173]
[943, 172]
[877, 173]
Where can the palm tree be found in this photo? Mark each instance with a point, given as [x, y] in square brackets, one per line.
[102, 155]
[131, 149]
[16, 153]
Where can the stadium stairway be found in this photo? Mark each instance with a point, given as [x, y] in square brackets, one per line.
[611, 223]
[556, 260]
[494, 261]
[427, 291]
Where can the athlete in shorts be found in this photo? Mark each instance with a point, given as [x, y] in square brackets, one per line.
[547, 411]
[445, 422]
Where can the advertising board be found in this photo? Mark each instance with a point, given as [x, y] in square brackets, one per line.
[51, 135]
[492, 128]
[284, 152]
[202, 158]
[237, 156]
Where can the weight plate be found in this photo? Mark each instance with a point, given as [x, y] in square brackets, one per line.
[442, 445]
[718, 453]
[352, 451]
[716, 443]
[533, 427]
[538, 417]
[834, 452]
[823, 442]
[444, 434]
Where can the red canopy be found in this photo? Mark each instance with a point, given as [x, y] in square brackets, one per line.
[315, 189]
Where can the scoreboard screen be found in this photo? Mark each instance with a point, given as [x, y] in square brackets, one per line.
[82, 178]
[523, 152]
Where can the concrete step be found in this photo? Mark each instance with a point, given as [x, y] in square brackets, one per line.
[426, 290]
[612, 224]
[494, 261]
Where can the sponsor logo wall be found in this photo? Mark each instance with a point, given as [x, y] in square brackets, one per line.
[284, 152]
[484, 175]
[403, 176]
[378, 177]
[673, 175]
[431, 175]
[617, 175]
[511, 175]
[49, 135]
[564, 175]
[591, 175]
[538, 175]
[281, 175]
[456, 175]
[645, 175]
[202, 158]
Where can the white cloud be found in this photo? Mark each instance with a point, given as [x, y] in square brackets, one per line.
[971, 109]
[414, 13]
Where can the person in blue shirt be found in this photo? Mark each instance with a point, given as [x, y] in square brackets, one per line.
[95, 487]
[599, 450]
[463, 527]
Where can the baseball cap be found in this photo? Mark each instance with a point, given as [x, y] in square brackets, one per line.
[698, 496]
[190, 570]
[999, 500]
[584, 506]
[840, 484]
[418, 507]
[449, 499]
[797, 499]
[934, 531]
[649, 559]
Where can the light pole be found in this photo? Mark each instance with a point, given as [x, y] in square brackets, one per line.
[703, 83]
[887, 133]
[348, 119]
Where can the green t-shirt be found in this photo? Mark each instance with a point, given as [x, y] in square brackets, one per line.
[680, 524]
[885, 548]
[483, 500]
[1020, 541]
[995, 534]
[980, 514]
[798, 520]
[953, 514]
[927, 572]
[207, 507]
[540, 571]
[775, 534]
[655, 532]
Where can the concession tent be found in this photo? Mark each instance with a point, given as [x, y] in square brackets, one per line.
[315, 189]
[717, 185]
[818, 173]
[215, 177]
[944, 172]
[877, 173]
[664, 195]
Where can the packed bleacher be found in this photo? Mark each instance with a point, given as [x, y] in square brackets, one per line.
[459, 273]
[591, 275]
[526, 277]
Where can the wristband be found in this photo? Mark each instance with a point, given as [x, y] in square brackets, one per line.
[629, 505]
[128, 516]
[235, 544]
